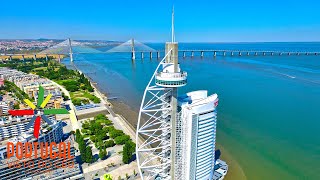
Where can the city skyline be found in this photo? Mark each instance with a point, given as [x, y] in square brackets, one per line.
[215, 22]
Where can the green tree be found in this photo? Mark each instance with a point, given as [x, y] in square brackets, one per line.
[102, 153]
[86, 125]
[109, 143]
[100, 116]
[85, 101]
[78, 134]
[113, 133]
[84, 131]
[16, 106]
[100, 144]
[95, 126]
[81, 144]
[76, 101]
[82, 149]
[93, 138]
[101, 134]
[121, 139]
[88, 155]
[90, 89]
[65, 97]
[128, 150]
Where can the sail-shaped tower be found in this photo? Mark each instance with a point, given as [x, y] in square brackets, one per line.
[176, 136]
[157, 121]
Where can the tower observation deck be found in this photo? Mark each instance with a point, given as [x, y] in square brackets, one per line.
[171, 74]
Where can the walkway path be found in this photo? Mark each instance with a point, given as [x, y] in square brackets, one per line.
[73, 117]
[125, 169]
[102, 164]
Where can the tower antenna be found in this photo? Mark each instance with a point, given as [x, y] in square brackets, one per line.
[172, 28]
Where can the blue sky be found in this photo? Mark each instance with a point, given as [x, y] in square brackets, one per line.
[150, 21]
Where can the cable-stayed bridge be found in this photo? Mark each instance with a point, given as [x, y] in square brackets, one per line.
[70, 47]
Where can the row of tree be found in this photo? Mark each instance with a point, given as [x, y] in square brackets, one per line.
[85, 151]
[100, 130]
[86, 82]
[11, 87]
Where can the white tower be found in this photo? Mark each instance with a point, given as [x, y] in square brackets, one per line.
[198, 117]
[156, 128]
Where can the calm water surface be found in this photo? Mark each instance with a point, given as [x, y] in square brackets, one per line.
[269, 109]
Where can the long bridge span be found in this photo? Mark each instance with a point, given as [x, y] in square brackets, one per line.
[67, 48]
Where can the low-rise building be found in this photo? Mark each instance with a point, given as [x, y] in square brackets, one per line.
[52, 134]
[4, 107]
[15, 126]
[29, 83]
[38, 167]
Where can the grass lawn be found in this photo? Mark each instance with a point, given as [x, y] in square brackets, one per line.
[40, 68]
[82, 94]
[61, 81]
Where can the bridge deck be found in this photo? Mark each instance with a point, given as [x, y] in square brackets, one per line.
[188, 50]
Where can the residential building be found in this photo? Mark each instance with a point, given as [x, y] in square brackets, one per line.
[4, 107]
[15, 126]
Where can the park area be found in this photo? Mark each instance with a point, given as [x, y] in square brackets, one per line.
[100, 134]
[103, 148]
[76, 83]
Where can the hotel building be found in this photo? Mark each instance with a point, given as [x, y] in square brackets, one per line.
[197, 135]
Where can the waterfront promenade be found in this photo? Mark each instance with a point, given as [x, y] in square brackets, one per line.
[118, 120]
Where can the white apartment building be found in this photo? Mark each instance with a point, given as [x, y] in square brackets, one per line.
[196, 143]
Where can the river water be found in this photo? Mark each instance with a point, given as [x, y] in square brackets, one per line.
[268, 114]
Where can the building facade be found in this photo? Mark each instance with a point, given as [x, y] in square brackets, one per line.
[38, 168]
[4, 107]
[53, 133]
[196, 142]
[29, 83]
[14, 126]
[51, 169]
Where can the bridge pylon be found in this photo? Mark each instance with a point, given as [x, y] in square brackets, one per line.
[133, 53]
[70, 50]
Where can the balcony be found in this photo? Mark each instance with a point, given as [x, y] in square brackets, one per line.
[171, 79]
